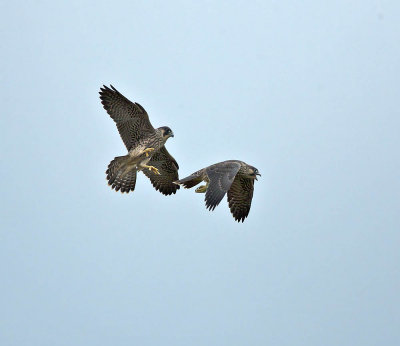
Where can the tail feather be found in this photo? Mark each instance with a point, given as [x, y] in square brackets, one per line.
[118, 176]
[190, 181]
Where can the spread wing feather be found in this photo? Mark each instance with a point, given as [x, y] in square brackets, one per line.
[240, 196]
[168, 167]
[131, 118]
[221, 176]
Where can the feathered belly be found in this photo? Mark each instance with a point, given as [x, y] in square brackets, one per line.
[137, 162]
[142, 153]
[143, 162]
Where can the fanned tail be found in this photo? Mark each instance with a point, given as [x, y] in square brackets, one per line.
[119, 176]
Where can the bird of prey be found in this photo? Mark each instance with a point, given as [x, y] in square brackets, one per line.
[145, 144]
[232, 176]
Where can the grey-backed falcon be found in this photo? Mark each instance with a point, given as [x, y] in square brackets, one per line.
[232, 176]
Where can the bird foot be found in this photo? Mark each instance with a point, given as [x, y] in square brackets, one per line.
[146, 151]
[153, 169]
[201, 189]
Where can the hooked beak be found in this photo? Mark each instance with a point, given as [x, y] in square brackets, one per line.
[172, 134]
[258, 175]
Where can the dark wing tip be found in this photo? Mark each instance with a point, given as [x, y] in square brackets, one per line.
[240, 219]
[106, 97]
[168, 193]
[104, 88]
[104, 93]
[240, 215]
[165, 190]
[115, 90]
[211, 203]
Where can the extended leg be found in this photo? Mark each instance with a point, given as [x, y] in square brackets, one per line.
[152, 168]
[146, 151]
[201, 189]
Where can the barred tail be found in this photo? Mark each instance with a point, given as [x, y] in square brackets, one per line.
[119, 176]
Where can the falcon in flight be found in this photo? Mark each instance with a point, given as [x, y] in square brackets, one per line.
[232, 176]
[145, 144]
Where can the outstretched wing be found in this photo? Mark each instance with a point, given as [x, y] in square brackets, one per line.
[239, 197]
[221, 176]
[131, 118]
[168, 168]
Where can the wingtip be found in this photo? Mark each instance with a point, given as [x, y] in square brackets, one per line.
[210, 206]
[105, 88]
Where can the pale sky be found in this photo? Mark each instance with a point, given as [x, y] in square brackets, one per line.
[307, 92]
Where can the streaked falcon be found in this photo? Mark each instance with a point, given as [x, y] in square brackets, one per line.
[145, 144]
[232, 176]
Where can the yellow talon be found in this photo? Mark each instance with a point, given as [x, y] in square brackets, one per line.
[202, 189]
[154, 169]
[146, 151]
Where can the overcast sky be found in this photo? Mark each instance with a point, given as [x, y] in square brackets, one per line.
[306, 91]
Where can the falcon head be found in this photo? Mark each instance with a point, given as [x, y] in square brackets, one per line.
[252, 172]
[166, 132]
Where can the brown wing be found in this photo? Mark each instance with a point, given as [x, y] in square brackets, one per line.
[221, 176]
[168, 168]
[131, 119]
[239, 197]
